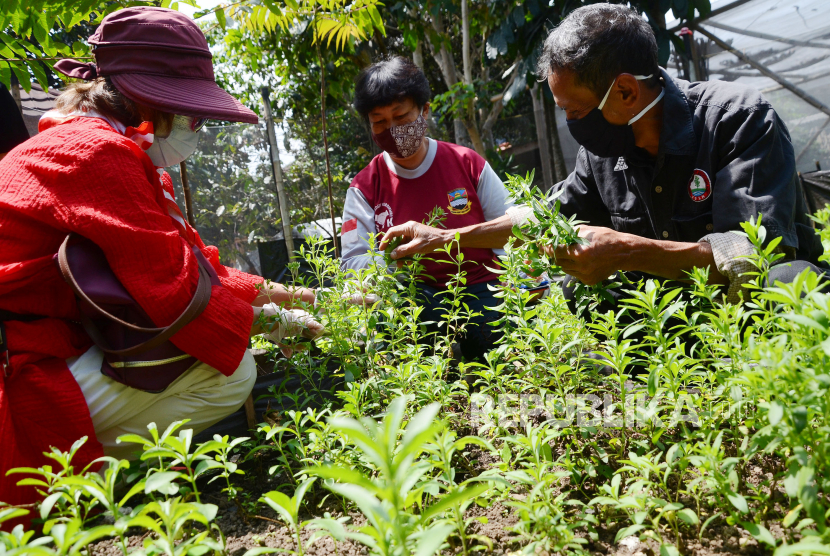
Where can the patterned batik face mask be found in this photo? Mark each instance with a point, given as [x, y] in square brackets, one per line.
[402, 141]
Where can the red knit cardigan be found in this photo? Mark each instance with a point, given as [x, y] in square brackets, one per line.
[82, 176]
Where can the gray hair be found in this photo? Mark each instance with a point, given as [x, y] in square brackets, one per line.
[597, 43]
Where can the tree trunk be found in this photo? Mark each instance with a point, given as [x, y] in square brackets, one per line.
[326, 149]
[443, 58]
[274, 148]
[460, 133]
[489, 139]
[465, 41]
[475, 138]
[418, 55]
[560, 171]
[497, 107]
[542, 135]
[418, 60]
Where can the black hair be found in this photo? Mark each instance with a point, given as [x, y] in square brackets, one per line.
[388, 81]
[597, 43]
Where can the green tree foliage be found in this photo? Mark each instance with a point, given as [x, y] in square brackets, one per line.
[342, 21]
[244, 62]
[479, 85]
[234, 197]
[33, 33]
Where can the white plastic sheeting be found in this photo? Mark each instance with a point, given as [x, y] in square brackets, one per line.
[802, 58]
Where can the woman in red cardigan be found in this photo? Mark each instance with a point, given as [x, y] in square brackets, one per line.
[96, 170]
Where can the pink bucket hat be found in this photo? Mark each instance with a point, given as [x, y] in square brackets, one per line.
[158, 58]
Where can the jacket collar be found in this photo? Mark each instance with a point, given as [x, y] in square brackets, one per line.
[677, 135]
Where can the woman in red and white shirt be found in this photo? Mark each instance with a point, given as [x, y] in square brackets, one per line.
[410, 178]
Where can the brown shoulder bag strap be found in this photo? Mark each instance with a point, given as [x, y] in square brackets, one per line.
[197, 304]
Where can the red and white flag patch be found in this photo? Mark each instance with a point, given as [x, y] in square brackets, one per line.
[348, 226]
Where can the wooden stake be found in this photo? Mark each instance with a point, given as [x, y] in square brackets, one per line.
[326, 147]
[188, 201]
[285, 216]
[250, 413]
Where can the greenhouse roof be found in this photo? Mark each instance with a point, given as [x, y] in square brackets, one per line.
[786, 45]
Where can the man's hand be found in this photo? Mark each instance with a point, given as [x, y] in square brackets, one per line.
[422, 239]
[598, 259]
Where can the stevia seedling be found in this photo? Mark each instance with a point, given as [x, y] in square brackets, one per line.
[756, 376]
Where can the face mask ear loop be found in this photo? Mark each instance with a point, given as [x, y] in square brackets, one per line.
[608, 92]
[647, 108]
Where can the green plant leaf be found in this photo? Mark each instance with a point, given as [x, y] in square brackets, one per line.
[282, 504]
[430, 540]
[760, 533]
[454, 499]
[738, 501]
[689, 516]
[628, 531]
[257, 551]
[668, 550]
[161, 481]
[776, 412]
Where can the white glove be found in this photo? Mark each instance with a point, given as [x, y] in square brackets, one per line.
[289, 322]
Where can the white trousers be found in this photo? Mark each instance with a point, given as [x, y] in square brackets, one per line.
[202, 394]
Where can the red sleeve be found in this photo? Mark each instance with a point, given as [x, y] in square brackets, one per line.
[109, 200]
[243, 285]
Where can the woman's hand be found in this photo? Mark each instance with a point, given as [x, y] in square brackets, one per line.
[421, 238]
[288, 296]
[286, 323]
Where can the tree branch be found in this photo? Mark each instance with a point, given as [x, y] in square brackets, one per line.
[498, 103]
[442, 55]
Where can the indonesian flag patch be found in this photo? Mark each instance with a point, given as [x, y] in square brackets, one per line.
[700, 188]
[349, 226]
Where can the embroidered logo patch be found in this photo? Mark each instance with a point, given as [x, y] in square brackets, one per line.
[700, 188]
[383, 217]
[621, 165]
[459, 202]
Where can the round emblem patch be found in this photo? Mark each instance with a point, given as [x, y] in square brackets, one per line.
[700, 188]
[383, 217]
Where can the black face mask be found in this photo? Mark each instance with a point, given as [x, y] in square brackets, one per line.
[604, 139]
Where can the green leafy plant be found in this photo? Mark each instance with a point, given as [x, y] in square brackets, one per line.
[289, 508]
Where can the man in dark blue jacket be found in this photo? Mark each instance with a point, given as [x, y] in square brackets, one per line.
[667, 170]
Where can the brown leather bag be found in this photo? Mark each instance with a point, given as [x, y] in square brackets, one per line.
[136, 352]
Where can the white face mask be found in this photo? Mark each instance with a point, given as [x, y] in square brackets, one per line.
[180, 144]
